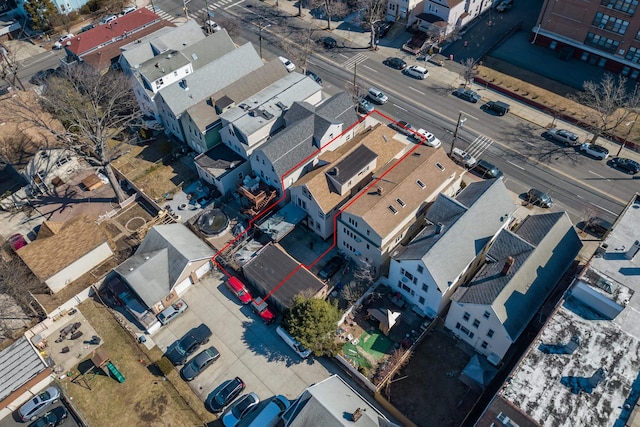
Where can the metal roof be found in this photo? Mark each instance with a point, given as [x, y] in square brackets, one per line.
[19, 363]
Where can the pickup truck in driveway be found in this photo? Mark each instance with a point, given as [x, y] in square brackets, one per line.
[179, 351]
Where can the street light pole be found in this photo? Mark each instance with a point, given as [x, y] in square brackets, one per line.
[459, 123]
[260, 37]
[624, 142]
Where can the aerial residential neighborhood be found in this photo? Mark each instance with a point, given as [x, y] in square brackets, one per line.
[270, 213]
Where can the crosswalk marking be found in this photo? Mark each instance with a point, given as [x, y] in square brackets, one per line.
[354, 60]
[479, 145]
[161, 13]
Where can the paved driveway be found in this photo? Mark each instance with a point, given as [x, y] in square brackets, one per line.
[249, 349]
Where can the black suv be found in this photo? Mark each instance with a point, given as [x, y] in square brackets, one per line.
[540, 198]
[331, 268]
[467, 95]
[627, 165]
[396, 63]
[179, 351]
[486, 169]
[231, 389]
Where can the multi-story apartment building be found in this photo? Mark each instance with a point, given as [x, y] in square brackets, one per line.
[605, 33]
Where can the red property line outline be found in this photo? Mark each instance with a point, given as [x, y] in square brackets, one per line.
[335, 218]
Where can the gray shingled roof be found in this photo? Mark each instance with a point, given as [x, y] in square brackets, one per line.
[161, 259]
[466, 229]
[19, 363]
[176, 38]
[211, 78]
[306, 125]
[543, 247]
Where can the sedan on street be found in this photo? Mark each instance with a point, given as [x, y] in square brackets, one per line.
[537, 197]
[467, 95]
[627, 165]
[396, 63]
[403, 127]
[427, 137]
[593, 150]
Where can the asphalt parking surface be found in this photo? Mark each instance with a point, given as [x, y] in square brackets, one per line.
[248, 348]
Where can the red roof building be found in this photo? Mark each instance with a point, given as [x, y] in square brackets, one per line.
[100, 46]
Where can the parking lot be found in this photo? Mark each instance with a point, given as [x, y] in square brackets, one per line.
[249, 349]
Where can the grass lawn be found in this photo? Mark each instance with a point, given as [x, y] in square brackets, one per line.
[376, 344]
[144, 399]
[352, 353]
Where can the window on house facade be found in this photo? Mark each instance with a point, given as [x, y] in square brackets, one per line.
[464, 330]
[602, 43]
[633, 54]
[466, 316]
[476, 323]
[486, 315]
[484, 344]
[421, 300]
[420, 269]
[490, 333]
[626, 6]
[425, 288]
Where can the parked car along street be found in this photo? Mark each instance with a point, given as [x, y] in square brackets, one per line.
[540, 198]
[467, 95]
[428, 138]
[595, 151]
[403, 127]
[486, 169]
[626, 165]
[564, 136]
[396, 63]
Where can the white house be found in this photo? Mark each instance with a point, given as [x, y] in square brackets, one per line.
[428, 270]
[168, 261]
[309, 130]
[251, 122]
[518, 273]
[341, 174]
[222, 167]
[383, 213]
[444, 16]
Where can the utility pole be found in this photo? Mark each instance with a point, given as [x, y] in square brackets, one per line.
[630, 125]
[185, 8]
[260, 36]
[462, 117]
[355, 74]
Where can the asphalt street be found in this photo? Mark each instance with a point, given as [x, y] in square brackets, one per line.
[577, 183]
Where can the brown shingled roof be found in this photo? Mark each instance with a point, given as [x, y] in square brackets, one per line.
[77, 237]
[401, 182]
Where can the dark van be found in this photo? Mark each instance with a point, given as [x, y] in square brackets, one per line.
[498, 107]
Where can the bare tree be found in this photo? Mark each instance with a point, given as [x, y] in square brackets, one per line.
[364, 274]
[607, 104]
[374, 12]
[470, 70]
[17, 281]
[331, 8]
[299, 46]
[9, 68]
[352, 291]
[93, 108]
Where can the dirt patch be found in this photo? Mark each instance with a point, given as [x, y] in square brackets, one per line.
[143, 398]
[133, 212]
[432, 376]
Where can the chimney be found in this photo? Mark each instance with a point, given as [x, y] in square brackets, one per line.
[635, 248]
[507, 266]
[335, 171]
[357, 414]
[439, 228]
[380, 191]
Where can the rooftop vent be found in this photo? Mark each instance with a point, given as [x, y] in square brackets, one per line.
[281, 106]
[385, 138]
[421, 184]
[439, 228]
[635, 248]
[184, 84]
[335, 171]
[244, 106]
[357, 414]
[507, 266]
[380, 190]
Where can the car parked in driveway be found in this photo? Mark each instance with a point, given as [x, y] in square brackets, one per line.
[240, 409]
[53, 418]
[331, 268]
[62, 41]
[171, 312]
[230, 389]
[199, 363]
[261, 308]
[627, 165]
[467, 95]
[595, 151]
[396, 63]
[179, 351]
[38, 404]
[563, 135]
[403, 127]
[540, 198]
[238, 289]
[427, 137]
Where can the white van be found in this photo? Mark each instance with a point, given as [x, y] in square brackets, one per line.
[269, 416]
[291, 342]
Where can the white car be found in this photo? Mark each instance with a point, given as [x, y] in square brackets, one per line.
[62, 41]
[108, 19]
[593, 150]
[127, 10]
[290, 66]
[212, 26]
[428, 138]
[464, 158]
[564, 136]
[417, 71]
